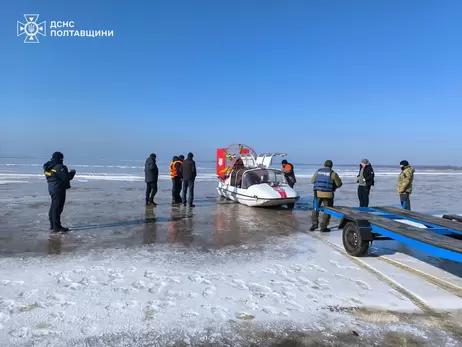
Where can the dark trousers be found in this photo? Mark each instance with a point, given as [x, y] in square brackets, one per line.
[405, 201]
[363, 196]
[58, 199]
[151, 191]
[188, 185]
[176, 189]
[327, 202]
[290, 181]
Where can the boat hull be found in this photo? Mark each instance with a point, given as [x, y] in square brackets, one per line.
[259, 195]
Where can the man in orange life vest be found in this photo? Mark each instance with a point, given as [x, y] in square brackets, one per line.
[289, 173]
[176, 176]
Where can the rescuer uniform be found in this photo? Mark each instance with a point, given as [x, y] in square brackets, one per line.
[151, 176]
[176, 176]
[405, 180]
[325, 182]
[289, 173]
[58, 178]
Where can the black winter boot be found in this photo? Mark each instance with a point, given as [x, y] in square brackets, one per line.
[61, 230]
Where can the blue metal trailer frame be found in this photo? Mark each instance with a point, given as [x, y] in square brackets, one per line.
[441, 238]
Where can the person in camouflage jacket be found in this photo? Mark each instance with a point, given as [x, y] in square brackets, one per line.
[405, 179]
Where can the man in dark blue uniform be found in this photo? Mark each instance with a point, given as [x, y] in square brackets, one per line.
[325, 182]
[151, 177]
[58, 178]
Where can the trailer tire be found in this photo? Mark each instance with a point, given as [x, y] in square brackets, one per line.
[352, 241]
[291, 206]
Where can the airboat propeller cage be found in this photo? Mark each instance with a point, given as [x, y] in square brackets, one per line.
[228, 156]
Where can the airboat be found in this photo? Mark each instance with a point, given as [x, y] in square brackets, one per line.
[249, 179]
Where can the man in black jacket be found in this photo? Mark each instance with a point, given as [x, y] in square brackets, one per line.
[58, 178]
[151, 176]
[365, 182]
[179, 179]
[189, 176]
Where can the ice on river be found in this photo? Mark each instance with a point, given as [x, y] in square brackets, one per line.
[220, 273]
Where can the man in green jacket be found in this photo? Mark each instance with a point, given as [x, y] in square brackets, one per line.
[405, 179]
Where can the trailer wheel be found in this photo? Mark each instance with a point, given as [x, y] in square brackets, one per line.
[291, 206]
[352, 241]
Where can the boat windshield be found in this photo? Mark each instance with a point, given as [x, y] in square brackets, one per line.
[258, 176]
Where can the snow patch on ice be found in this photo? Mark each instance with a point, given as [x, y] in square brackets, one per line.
[103, 292]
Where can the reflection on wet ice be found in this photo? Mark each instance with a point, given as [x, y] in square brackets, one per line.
[54, 244]
[180, 227]
[150, 228]
[227, 229]
[203, 227]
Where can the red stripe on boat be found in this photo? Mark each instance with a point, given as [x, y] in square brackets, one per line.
[281, 191]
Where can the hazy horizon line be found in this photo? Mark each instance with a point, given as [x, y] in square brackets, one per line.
[213, 161]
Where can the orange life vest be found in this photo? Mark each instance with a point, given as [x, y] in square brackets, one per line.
[288, 167]
[173, 171]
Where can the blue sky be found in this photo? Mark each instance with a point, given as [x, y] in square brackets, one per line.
[342, 79]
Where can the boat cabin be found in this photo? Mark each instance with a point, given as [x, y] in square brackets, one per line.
[244, 178]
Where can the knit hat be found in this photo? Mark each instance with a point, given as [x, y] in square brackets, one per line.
[328, 163]
[404, 163]
[57, 156]
[365, 161]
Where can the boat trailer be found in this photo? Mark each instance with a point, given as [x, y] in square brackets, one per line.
[441, 237]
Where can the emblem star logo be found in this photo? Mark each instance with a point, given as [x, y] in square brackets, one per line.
[31, 28]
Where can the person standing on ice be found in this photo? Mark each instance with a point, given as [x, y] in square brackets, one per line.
[58, 179]
[180, 181]
[289, 173]
[365, 182]
[405, 180]
[189, 176]
[151, 176]
[175, 175]
[325, 182]
[172, 174]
